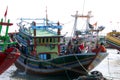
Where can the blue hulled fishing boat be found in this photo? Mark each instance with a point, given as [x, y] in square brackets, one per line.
[44, 51]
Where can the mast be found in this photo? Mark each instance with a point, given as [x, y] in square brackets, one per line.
[7, 28]
[88, 16]
[75, 23]
[35, 43]
[88, 20]
[1, 26]
[59, 33]
[5, 37]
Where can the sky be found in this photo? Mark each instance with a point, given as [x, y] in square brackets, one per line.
[105, 12]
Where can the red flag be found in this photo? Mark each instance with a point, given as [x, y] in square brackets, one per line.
[6, 12]
[95, 24]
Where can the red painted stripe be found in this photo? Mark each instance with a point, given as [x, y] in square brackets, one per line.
[6, 24]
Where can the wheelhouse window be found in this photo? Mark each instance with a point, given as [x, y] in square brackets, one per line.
[50, 39]
[44, 56]
[47, 40]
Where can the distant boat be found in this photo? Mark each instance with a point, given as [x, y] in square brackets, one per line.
[44, 51]
[8, 53]
[113, 39]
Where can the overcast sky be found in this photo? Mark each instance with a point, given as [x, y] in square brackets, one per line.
[104, 11]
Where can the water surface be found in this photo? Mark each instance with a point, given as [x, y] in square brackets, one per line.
[110, 68]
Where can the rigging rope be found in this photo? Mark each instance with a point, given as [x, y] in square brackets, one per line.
[73, 32]
[81, 64]
[75, 55]
[67, 22]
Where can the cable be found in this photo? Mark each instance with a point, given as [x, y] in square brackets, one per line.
[83, 6]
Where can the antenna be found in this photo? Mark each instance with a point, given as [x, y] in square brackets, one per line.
[83, 7]
[46, 16]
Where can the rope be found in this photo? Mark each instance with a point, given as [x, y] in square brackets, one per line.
[71, 37]
[109, 67]
[68, 76]
[81, 64]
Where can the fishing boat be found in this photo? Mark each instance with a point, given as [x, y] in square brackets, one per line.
[113, 39]
[8, 53]
[45, 51]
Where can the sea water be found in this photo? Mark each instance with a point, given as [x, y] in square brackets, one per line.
[109, 67]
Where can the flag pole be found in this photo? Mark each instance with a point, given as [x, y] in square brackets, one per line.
[5, 15]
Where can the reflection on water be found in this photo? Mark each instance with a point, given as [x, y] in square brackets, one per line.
[18, 76]
[110, 68]
[13, 74]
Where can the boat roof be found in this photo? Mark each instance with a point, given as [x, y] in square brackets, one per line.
[42, 28]
[45, 33]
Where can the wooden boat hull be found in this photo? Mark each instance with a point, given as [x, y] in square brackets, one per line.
[7, 59]
[113, 45]
[61, 64]
[113, 41]
[44, 51]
